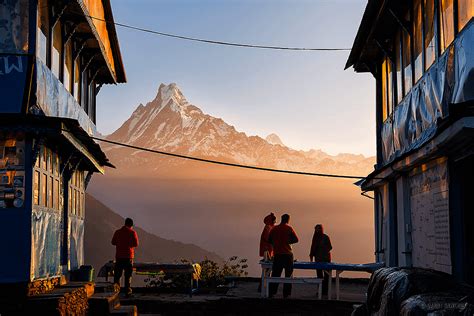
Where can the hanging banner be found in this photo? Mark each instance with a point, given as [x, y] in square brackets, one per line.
[13, 82]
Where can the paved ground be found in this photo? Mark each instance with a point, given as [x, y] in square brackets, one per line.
[351, 291]
[243, 299]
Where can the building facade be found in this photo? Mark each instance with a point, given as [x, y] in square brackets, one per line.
[421, 54]
[54, 58]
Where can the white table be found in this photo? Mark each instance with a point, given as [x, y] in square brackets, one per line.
[327, 267]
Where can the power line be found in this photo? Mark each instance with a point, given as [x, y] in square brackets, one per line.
[230, 164]
[215, 42]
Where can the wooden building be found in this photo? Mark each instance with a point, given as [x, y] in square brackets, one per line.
[55, 55]
[421, 54]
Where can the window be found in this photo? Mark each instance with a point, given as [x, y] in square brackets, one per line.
[77, 79]
[418, 40]
[465, 12]
[42, 34]
[406, 62]
[57, 50]
[46, 180]
[76, 194]
[430, 33]
[85, 90]
[384, 90]
[387, 89]
[67, 75]
[398, 67]
[91, 111]
[447, 23]
[36, 188]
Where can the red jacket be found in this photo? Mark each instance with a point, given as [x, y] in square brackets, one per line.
[265, 244]
[124, 240]
[282, 236]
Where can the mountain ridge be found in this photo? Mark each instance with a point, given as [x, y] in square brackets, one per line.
[170, 123]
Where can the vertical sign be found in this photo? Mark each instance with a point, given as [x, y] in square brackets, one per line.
[429, 202]
[13, 71]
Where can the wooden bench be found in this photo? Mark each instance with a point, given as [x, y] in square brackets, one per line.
[294, 280]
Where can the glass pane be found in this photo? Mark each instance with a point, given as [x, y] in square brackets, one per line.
[68, 66]
[418, 40]
[48, 160]
[56, 164]
[56, 51]
[77, 80]
[44, 185]
[43, 158]
[406, 62]
[430, 33]
[73, 201]
[56, 195]
[465, 12]
[389, 87]
[398, 66]
[36, 188]
[50, 192]
[69, 205]
[85, 90]
[43, 31]
[447, 23]
[82, 205]
[77, 199]
[384, 90]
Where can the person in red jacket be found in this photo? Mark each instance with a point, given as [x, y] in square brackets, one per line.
[125, 240]
[266, 248]
[281, 237]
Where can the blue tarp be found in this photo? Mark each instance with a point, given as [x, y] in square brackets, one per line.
[449, 81]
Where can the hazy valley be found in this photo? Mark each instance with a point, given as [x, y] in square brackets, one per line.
[220, 208]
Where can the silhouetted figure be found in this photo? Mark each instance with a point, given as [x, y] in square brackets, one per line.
[125, 240]
[281, 237]
[321, 252]
[266, 248]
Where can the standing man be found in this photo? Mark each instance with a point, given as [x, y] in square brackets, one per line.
[281, 237]
[321, 252]
[124, 240]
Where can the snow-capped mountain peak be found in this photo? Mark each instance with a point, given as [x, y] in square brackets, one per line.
[274, 139]
[170, 92]
[171, 123]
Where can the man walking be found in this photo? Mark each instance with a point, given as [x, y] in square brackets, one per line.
[281, 237]
[125, 240]
[321, 252]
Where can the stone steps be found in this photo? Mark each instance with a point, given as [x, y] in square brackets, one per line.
[106, 301]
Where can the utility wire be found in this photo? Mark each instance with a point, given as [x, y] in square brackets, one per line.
[195, 39]
[328, 175]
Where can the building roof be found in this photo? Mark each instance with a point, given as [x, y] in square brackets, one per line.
[381, 19]
[61, 131]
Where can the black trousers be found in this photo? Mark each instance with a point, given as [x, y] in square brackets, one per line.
[122, 265]
[325, 277]
[281, 262]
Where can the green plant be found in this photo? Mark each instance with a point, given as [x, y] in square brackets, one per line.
[212, 274]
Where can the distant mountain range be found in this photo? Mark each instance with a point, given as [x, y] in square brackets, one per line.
[170, 123]
[100, 225]
[215, 207]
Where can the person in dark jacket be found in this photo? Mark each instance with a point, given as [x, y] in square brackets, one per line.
[281, 237]
[321, 252]
[125, 240]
